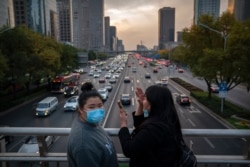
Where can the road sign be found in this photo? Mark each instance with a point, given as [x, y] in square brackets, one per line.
[223, 89]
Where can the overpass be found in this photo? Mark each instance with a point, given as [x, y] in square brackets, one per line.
[46, 156]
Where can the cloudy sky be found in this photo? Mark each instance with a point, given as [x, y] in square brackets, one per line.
[137, 20]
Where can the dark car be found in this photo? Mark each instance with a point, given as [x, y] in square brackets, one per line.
[147, 75]
[125, 99]
[109, 87]
[71, 91]
[183, 99]
[155, 70]
[102, 80]
[126, 79]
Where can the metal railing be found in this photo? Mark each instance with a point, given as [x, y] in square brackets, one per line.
[45, 156]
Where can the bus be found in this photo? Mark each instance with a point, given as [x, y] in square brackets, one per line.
[59, 83]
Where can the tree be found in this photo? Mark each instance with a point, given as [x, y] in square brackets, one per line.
[207, 54]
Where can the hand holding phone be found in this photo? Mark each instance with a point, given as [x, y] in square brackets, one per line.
[121, 107]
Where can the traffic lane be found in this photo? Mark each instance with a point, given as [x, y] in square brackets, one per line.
[237, 95]
[194, 117]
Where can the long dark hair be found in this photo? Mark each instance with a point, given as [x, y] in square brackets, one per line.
[88, 91]
[162, 107]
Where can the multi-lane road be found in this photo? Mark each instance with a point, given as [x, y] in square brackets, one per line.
[192, 117]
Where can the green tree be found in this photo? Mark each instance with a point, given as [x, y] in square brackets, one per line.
[207, 53]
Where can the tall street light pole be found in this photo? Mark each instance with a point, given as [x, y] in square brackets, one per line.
[223, 34]
[222, 85]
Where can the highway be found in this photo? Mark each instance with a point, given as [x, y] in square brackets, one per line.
[191, 117]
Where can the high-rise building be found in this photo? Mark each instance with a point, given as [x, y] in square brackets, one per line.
[88, 24]
[211, 7]
[64, 10]
[38, 15]
[240, 9]
[113, 38]
[7, 13]
[107, 32]
[166, 16]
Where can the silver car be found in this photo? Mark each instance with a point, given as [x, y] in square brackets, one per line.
[71, 104]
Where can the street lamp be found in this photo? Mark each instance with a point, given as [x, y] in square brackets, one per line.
[9, 28]
[223, 34]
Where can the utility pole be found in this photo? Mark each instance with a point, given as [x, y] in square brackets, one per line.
[223, 90]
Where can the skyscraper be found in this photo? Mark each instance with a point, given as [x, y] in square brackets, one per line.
[240, 9]
[113, 38]
[88, 16]
[166, 16]
[64, 10]
[7, 13]
[107, 32]
[38, 15]
[211, 7]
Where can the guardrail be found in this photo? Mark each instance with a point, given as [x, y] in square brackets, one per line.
[45, 156]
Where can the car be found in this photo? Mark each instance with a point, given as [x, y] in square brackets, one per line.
[164, 81]
[96, 75]
[147, 75]
[109, 87]
[180, 70]
[107, 76]
[155, 70]
[214, 88]
[116, 75]
[70, 91]
[112, 80]
[183, 99]
[158, 82]
[125, 99]
[86, 80]
[71, 104]
[91, 73]
[102, 80]
[104, 93]
[126, 79]
[145, 65]
[30, 144]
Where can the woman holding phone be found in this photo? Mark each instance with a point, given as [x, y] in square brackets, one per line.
[155, 139]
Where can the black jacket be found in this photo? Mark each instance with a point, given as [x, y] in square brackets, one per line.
[150, 145]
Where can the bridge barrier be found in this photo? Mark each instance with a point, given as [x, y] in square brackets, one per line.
[45, 156]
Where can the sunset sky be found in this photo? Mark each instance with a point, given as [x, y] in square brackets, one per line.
[137, 20]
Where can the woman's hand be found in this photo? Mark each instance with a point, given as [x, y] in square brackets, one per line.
[140, 96]
[123, 117]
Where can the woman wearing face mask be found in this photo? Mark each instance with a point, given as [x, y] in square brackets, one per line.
[88, 144]
[155, 139]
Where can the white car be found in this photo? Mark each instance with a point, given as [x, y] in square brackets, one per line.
[96, 75]
[104, 93]
[71, 104]
[30, 145]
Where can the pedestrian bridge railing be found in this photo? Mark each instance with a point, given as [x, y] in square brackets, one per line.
[46, 156]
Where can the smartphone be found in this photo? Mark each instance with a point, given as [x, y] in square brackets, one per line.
[121, 107]
[120, 104]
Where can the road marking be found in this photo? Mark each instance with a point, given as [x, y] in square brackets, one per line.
[191, 122]
[192, 109]
[209, 142]
[133, 101]
[138, 81]
[132, 88]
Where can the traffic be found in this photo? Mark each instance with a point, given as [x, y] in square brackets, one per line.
[118, 82]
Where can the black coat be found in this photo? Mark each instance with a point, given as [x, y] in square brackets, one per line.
[150, 145]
